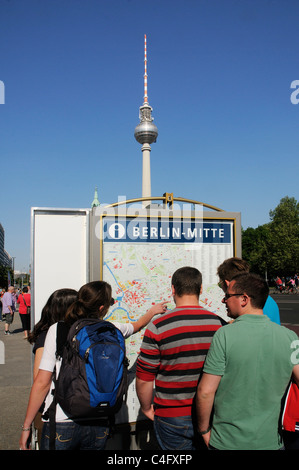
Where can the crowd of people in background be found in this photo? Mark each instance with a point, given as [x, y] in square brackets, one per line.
[288, 285]
[10, 299]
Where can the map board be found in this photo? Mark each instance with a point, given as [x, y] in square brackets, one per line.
[138, 255]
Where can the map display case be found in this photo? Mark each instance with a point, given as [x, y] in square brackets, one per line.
[137, 249]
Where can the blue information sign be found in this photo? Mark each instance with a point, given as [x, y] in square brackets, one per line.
[164, 231]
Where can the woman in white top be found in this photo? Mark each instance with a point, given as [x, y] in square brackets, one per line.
[94, 300]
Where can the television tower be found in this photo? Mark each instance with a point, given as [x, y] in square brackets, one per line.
[146, 133]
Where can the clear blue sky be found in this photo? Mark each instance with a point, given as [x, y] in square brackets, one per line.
[219, 77]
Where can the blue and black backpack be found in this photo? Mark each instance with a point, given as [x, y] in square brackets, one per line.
[92, 382]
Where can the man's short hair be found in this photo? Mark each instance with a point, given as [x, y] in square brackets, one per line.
[254, 286]
[187, 281]
[231, 267]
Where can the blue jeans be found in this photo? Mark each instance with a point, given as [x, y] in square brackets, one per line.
[174, 433]
[73, 436]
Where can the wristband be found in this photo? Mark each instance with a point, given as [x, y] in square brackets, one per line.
[201, 433]
[26, 429]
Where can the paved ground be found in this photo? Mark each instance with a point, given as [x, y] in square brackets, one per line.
[289, 310]
[15, 384]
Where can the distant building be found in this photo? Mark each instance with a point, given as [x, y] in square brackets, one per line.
[95, 202]
[5, 258]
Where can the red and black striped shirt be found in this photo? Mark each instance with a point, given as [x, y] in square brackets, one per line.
[172, 353]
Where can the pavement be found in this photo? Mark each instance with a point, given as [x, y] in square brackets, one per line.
[15, 383]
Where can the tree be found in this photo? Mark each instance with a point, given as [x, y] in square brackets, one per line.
[287, 211]
[4, 276]
[284, 237]
[273, 248]
[255, 248]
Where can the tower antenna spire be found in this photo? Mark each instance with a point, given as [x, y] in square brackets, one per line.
[146, 133]
[145, 71]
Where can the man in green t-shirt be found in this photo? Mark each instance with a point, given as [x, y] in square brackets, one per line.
[247, 370]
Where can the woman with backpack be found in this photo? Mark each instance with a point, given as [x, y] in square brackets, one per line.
[93, 302]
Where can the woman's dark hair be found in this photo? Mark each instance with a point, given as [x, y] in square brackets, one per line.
[93, 301]
[54, 311]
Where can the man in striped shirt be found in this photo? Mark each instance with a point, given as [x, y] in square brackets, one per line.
[171, 358]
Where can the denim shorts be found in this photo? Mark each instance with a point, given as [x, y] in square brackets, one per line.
[73, 436]
[174, 433]
[8, 318]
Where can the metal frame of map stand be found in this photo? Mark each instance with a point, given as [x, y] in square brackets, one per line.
[127, 227]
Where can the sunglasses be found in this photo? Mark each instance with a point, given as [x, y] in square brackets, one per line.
[112, 301]
[227, 296]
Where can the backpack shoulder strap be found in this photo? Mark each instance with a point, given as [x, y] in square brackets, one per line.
[61, 337]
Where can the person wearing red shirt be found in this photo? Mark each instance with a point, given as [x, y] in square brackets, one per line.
[171, 358]
[24, 301]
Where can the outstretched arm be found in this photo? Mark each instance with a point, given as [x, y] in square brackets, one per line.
[146, 318]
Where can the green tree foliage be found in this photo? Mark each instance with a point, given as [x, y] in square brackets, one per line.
[255, 248]
[4, 276]
[273, 248]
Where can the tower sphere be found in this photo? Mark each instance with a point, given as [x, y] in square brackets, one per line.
[146, 132]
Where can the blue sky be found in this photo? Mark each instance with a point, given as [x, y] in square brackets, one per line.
[219, 77]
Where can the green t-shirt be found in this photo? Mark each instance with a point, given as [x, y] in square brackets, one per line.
[253, 356]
